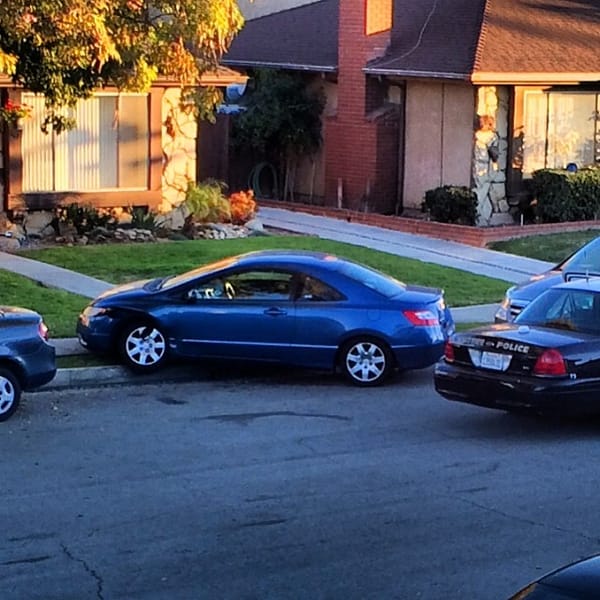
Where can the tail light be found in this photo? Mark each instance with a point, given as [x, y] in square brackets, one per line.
[550, 362]
[421, 318]
[43, 330]
[449, 352]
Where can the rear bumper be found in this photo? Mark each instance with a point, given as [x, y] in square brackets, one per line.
[419, 357]
[501, 391]
[39, 367]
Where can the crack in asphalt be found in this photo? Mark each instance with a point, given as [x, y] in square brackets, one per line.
[92, 572]
[246, 418]
[33, 559]
[523, 519]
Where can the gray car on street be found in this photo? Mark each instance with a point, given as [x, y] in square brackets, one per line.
[27, 360]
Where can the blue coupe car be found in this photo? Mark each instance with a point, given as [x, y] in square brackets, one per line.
[305, 309]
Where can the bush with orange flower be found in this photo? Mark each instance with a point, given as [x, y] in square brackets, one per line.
[242, 206]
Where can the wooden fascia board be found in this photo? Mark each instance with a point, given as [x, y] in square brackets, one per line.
[495, 78]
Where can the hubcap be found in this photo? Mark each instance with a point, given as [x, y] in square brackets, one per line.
[145, 346]
[7, 395]
[365, 362]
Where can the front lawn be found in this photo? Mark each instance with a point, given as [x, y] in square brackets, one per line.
[553, 247]
[59, 308]
[118, 263]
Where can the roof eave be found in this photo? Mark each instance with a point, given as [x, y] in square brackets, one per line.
[408, 73]
[220, 77]
[493, 78]
[259, 64]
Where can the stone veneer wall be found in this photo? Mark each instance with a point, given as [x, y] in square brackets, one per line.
[490, 156]
[179, 132]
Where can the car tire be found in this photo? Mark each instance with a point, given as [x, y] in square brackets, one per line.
[366, 361]
[10, 393]
[143, 347]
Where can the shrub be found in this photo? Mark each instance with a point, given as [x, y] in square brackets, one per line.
[242, 206]
[84, 218]
[451, 204]
[206, 202]
[142, 218]
[560, 195]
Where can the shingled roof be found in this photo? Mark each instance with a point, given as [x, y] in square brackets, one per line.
[304, 38]
[484, 41]
[432, 38]
[539, 41]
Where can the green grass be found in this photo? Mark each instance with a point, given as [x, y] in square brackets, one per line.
[59, 308]
[552, 247]
[78, 361]
[119, 263]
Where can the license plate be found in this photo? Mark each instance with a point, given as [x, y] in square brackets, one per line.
[495, 361]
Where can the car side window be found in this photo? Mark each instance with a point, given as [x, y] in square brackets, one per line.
[262, 285]
[315, 290]
[213, 289]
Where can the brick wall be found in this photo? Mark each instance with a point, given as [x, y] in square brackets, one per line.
[473, 236]
[354, 152]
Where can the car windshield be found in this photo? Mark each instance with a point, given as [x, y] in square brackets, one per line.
[384, 284]
[585, 260]
[564, 308]
[176, 280]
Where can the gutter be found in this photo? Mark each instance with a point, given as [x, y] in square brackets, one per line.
[421, 74]
[276, 65]
[495, 77]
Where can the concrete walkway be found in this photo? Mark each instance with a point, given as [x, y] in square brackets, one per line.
[480, 261]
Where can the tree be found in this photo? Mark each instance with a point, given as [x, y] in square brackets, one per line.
[281, 122]
[65, 49]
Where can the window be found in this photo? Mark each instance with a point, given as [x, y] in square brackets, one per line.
[315, 290]
[262, 285]
[560, 128]
[575, 310]
[109, 148]
[378, 16]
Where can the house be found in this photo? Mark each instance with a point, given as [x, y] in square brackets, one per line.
[128, 149]
[476, 93]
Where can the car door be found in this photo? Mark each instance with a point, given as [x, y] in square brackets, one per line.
[321, 322]
[243, 314]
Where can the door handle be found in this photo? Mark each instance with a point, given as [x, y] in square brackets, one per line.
[275, 312]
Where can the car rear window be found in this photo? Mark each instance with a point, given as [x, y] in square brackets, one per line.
[562, 308]
[384, 284]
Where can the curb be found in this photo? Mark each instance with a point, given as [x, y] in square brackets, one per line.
[109, 375]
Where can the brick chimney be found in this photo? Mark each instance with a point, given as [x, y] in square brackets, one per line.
[357, 145]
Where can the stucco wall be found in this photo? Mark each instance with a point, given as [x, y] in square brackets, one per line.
[438, 138]
[179, 131]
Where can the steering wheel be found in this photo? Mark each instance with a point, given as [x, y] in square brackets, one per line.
[229, 291]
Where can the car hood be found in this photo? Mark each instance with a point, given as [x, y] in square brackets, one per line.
[14, 314]
[126, 290]
[534, 286]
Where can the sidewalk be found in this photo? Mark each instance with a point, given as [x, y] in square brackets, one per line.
[489, 263]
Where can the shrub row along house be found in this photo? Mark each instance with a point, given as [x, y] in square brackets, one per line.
[475, 93]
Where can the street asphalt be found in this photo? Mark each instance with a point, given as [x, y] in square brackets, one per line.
[498, 265]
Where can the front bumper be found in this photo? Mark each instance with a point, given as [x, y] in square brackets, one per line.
[505, 392]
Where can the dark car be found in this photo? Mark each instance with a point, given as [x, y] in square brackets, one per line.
[546, 361]
[27, 360]
[583, 262]
[577, 581]
[297, 308]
